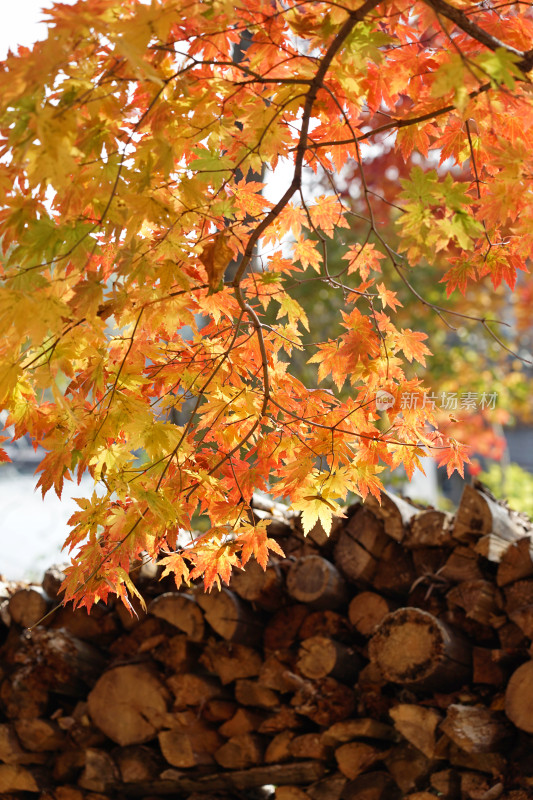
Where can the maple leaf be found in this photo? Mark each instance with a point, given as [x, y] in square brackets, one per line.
[305, 251]
[175, 565]
[387, 297]
[327, 214]
[255, 541]
[316, 508]
[366, 480]
[460, 274]
[364, 258]
[3, 455]
[216, 256]
[454, 457]
[412, 344]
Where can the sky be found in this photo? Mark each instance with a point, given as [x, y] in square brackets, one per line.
[22, 24]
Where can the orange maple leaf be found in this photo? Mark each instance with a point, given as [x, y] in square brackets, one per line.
[411, 343]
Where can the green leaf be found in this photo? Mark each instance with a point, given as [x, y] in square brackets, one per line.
[500, 66]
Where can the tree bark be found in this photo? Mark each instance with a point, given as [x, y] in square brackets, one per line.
[395, 513]
[431, 528]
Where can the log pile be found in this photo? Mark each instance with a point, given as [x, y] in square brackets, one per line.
[390, 660]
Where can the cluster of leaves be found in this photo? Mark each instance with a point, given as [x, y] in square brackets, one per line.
[128, 138]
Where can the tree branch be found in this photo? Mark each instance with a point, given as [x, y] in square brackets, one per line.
[482, 36]
[315, 85]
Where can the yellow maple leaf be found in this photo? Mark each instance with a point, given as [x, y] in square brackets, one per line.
[215, 257]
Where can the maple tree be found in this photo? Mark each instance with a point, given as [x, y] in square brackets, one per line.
[129, 139]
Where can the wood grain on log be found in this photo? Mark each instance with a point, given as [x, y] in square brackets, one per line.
[11, 751]
[413, 647]
[475, 729]
[189, 749]
[193, 690]
[290, 793]
[40, 735]
[180, 610]
[490, 666]
[462, 565]
[519, 697]
[52, 580]
[137, 763]
[367, 610]
[516, 562]
[178, 653]
[408, 766]
[230, 660]
[317, 583]
[241, 752]
[300, 773]
[325, 701]
[518, 594]
[354, 758]
[232, 619]
[29, 605]
[100, 771]
[261, 587]
[275, 671]
[395, 513]
[129, 703]
[395, 573]
[243, 721]
[66, 665]
[251, 693]
[328, 788]
[491, 763]
[430, 528]
[280, 720]
[480, 514]
[99, 627]
[373, 786]
[523, 617]
[326, 623]
[350, 729]
[278, 749]
[360, 546]
[282, 629]
[320, 656]
[218, 710]
[309, 745]
[480, 599]
[418, 725]
[16, 778]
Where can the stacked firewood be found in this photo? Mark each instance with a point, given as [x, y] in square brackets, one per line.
[390, 660]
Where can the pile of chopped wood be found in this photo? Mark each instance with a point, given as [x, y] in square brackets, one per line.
[391, 660]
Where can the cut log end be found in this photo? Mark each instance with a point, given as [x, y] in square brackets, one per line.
[411, 646]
